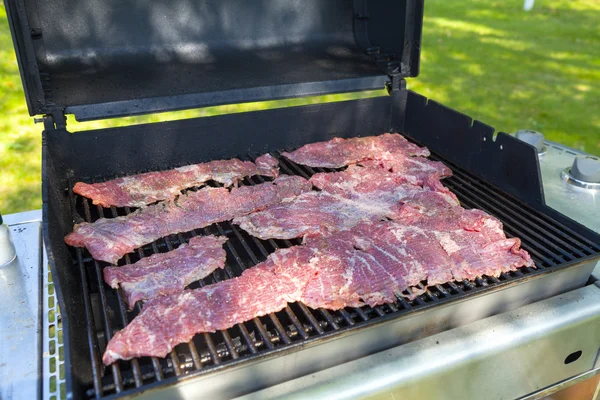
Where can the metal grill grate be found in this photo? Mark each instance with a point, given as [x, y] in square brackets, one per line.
[549, 243]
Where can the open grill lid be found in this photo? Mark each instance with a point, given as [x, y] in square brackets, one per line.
[109, 58]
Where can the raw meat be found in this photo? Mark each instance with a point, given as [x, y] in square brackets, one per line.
[375, 181]
[371, 264]
[142, 189]
[266, 165]
[372, 269]
[339, 152]
[414, 170]
[376, 262]
[346, 198]
[168, 273]
[110, 239]
[475, 241]
[310, 212]
[167, 321]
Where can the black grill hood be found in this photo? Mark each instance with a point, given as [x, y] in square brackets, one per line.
[109, 58]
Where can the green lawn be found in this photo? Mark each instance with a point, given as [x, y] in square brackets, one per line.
[490, 60]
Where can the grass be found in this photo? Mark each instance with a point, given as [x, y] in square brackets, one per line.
[513, 70]
[490, 60]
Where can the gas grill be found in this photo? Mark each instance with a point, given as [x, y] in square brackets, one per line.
[112, 59]
[551, 245]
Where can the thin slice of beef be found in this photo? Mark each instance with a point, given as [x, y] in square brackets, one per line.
[371, 264]
[110, 239]
[339, 152]
[266, 165]
[167, 321]
[142, 189]
[308, 213]
[376, 181]
[346, 198]
[168, 273]
[474, 241]
[414, 170]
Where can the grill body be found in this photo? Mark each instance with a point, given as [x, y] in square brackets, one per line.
[153, 59]
[497, 174]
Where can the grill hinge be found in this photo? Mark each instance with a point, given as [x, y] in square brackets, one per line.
[399, 96]
[396, 84]
[52, 121]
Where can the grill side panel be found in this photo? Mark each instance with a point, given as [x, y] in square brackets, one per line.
[68, 281]
[495, 158]
[501, 160]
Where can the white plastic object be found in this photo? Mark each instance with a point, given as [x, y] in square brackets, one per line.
[528, 6]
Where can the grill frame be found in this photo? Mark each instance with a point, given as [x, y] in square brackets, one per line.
[312, 123]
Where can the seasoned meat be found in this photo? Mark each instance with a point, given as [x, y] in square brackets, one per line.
[339, 152]
[110, 239]
[371, 264]
[168, 273]
[142, 189]
[169, 320]
[346, 198]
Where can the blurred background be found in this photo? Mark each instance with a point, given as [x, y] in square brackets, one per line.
[494, 61]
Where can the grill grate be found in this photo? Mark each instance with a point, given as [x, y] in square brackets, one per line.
[549, 243]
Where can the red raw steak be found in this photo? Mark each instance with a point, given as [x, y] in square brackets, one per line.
[339, 152]
[110, 239]
[371, 264]
[168, 273]
[142, 189]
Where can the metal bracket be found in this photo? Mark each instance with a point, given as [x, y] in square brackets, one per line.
[396, 88]
[55, 120]
[396, 84]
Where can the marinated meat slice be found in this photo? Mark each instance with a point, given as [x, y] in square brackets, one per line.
[346, 198]
[168, 273]
[474, 241]
[414, 170]
[434, 212]
[371, 264]
[266, 165]
[308, 213]
[387, 258]
[167, 321]
[339, 152]
[357, 182]
[142, 189]
[477, 245]
[315, 212]
[374, 181]
[110, 239]
[491, 258]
